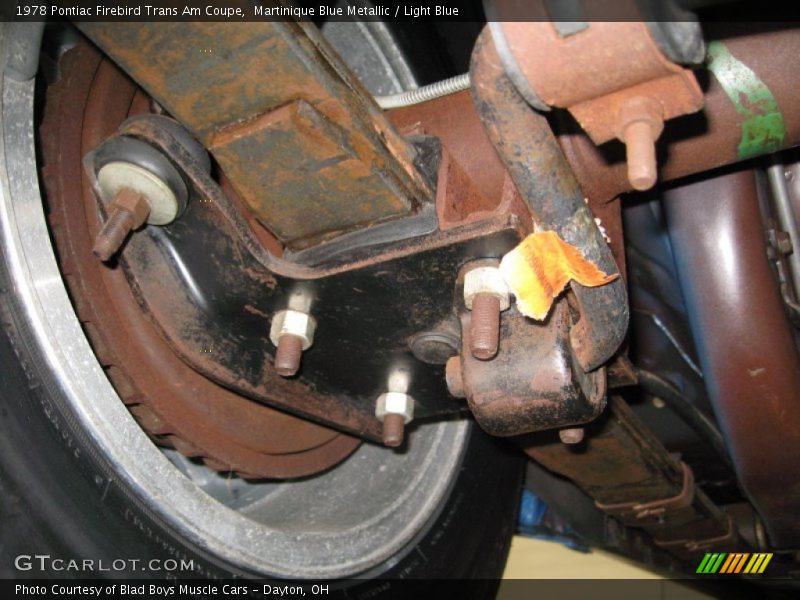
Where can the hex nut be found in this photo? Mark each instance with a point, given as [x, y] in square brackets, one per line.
[486, 280]
[127, 211]
[395, 403]
[115, 176]
[133, 202]
[293, 322]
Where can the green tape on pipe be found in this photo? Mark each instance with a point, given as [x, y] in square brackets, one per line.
[763, 129]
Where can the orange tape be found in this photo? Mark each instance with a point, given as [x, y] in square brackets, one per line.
[541, 266]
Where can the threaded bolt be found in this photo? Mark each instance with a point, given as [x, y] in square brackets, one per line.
[394, 409]
[486, 294]
[113, 233]
[127, 211]
[454, 378]
[292, 332]
[640, 122]
[393, 429]
[484, 330]
[573, 435]
[288, 354]
[640, 151]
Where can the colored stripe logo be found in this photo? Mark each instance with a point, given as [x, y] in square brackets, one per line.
[735, 562]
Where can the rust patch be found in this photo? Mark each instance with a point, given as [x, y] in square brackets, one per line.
[531, 384]
[597, 73]
[703, 141]
[546, 183]
[298, 171]
[225, 80]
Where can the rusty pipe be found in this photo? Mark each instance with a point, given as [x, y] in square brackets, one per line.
[716, 136]
[543, 176]
[744, 340]
[690, 144]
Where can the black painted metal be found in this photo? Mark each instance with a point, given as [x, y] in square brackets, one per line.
[212, 291]
[545, 180]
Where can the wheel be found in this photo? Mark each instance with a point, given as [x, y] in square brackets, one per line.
[80, 478]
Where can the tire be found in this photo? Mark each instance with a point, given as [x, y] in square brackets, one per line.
[64, 492]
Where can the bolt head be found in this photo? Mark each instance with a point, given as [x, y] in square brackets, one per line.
[293, 322]
[395, 403]
[486, 280]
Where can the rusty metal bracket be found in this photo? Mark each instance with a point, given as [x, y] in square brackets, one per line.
[301, 142]
[545, 180]
[612, 76]
[533, 383]
[211, 289]
[632, 513]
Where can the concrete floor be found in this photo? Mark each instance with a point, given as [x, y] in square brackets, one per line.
[538, 559]
[531, 558]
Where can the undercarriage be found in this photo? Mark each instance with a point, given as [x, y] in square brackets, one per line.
[307, 260]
